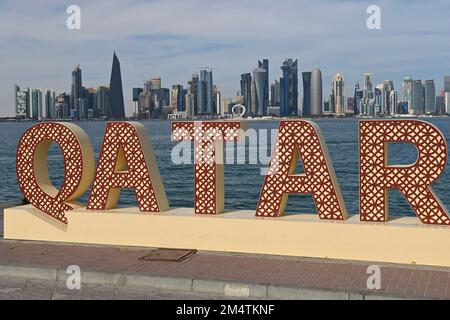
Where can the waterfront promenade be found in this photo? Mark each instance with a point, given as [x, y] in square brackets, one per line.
[131, 272]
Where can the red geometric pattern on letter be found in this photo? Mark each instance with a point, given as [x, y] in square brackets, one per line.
[413, 181]
[122, 148]
[36, 186]
[208, 172]
[301, 139]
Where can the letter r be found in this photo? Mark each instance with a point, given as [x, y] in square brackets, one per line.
[413, 181]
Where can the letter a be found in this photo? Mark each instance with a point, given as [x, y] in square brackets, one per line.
[302, 139]
[126, 144]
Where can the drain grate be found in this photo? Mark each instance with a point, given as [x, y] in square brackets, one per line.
[174, 255]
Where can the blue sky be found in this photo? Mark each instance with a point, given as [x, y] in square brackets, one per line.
[173, 38]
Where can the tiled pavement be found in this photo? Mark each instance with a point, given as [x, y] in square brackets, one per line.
[22, 289]
[317, 274]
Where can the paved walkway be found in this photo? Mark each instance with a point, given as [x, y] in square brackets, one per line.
[220, 274]
[23, 289]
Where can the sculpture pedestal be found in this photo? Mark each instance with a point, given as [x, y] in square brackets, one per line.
[403, 240]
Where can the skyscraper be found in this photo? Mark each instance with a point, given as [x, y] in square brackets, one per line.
[178, 102]
[265, 65]
[193, 95]
[246, 89]
[306, 110]
[205, 101]
[258, 93]
[35, 103]
[446, 84]
[76, 94]
[368, 85]
[356, 99]
[316, 92]
[407, 94]
[338, 94]
[275, 94]
[117, 107]
[430, 97]
[418, 101]
[21, 98]
[393, 101]
[289, 88]
[388, 86]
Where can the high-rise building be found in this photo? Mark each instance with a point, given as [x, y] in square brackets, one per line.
[103, 101]
[378, 98]
[21, 98]
[117, 107]
[76, 94]
[275, 94]
[368, 85]
[62, 106]
[136, 93]
[393, 102]
[258, 93]
[338, 94]
[206, 99]
[447, 84]
[350, 106]
[193, 94]
[264, 64]
[418, 97]
[217, 96]
[178, 96]
[440, 105]
[356, 99]
[316, 92]
[407, 94]
[388, 87]
[430, 97]
[326, 107]
[246, 89]
[35, 101]
[447, 102]
[289, 88]
[306, 108]
[49, 97]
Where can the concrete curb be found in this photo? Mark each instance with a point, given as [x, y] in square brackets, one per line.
[186, 284]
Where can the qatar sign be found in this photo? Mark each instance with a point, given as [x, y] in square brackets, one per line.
[127, 161]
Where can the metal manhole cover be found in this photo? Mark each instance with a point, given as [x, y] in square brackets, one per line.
[174, 255]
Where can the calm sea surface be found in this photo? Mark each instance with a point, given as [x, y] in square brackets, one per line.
[242, 182]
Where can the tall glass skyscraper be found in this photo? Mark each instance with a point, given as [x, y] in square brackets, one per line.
[418, 101]
[316, 92]
[264, 64]
[246, 89]
[306, 109]
[258, 93]
[338, 94]
[76, 94]
[289, 88]
[447, 84]
[117, 107]
[177, 101]
[205, 101]
[430, 97]
[407, 94]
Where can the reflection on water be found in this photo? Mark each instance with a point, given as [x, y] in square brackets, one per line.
[242, 182]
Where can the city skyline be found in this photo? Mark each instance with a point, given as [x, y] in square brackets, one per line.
[39, 50]
[203, 98]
